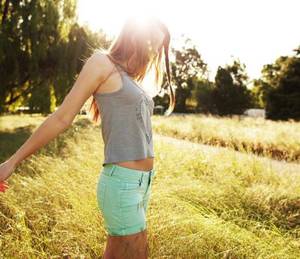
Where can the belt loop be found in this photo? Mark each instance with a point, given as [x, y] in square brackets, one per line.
[112, 169]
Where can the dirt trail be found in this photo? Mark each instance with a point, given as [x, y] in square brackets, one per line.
[278, 166]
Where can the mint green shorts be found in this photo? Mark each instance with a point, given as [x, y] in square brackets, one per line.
[123, 195]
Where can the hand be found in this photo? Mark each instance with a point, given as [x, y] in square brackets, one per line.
[3, 186]
[6, 169]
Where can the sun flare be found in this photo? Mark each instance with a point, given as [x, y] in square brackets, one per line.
[221, 30]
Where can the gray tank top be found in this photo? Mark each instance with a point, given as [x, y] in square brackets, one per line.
[126, 121]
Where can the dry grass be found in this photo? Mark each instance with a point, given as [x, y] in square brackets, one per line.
[279, 140]
[203, 205]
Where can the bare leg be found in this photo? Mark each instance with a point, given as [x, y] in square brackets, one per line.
[133, 246]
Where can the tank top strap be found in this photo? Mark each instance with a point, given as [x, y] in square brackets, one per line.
[110, 73]
[120, 69]
[117, 66]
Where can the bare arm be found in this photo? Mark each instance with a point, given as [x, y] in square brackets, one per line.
[88, 80]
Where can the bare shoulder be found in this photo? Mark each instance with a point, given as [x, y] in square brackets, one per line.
[102, 59]
[98, 65]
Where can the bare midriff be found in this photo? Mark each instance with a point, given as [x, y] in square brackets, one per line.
[142, 164]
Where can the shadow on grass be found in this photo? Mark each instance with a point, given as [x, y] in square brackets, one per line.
[11, 140]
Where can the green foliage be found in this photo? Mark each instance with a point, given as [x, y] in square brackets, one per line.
[260, 91]
[41, 51]
[270, 76]
[283, 101]
[188, 65]
[283, 106]
[203, 95]
[228, 94]
[39, 100]
[52, 99]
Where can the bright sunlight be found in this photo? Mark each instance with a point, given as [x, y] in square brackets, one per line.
[221, 30]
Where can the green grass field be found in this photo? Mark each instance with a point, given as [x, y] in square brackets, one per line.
[206, 202]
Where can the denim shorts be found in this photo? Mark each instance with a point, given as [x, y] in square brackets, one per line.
[122, 196]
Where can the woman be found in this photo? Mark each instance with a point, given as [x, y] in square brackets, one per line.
[124, 184]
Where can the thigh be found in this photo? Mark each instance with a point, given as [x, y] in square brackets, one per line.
[128, 246]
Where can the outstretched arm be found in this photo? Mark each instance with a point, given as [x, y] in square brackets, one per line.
[89, 78]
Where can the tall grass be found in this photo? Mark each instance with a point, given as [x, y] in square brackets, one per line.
[203, 205]
[275, 139]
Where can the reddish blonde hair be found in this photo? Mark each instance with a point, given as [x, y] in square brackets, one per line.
[132, 47]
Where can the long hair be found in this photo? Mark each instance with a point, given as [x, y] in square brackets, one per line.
[133, 46]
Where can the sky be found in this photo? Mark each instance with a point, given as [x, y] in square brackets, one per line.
[256, 32]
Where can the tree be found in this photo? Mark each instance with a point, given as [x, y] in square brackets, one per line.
[230, 94]
[270, 75]
[41, 51]
[188, 65]
[283, 101]
[260, 91]
[30, 33]
[203, 95]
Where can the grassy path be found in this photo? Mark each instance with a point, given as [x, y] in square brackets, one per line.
[271, 164]
[274, 139]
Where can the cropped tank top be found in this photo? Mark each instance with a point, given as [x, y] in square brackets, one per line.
[126, 121]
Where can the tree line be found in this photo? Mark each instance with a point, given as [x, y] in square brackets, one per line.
[42, 49]
[232, 92]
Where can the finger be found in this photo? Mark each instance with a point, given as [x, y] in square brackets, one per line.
[3, 187]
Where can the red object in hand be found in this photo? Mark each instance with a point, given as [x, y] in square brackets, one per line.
[3, 186]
